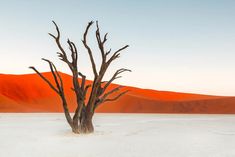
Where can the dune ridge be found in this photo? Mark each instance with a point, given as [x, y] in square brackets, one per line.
[28, 93]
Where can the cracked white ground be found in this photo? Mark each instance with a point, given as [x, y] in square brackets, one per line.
[118, 135]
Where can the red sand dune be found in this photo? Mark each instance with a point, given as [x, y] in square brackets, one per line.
[29, 93]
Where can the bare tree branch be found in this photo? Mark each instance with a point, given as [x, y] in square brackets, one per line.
[59, 91]
[83, 80]
[106, 98]
[100, 42]
[89, 49]
[74, 53]
[62, 55]
[55, 75]
[111, 92]
[117, 97]
[108, 52]
[45, 79]
[117, 54]
[114, 77]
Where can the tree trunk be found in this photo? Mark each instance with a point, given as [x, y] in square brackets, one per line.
[85, 125]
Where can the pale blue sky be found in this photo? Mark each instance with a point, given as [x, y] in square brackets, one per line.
[177, 45]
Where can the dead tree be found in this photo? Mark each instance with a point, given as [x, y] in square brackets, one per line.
[81, 121]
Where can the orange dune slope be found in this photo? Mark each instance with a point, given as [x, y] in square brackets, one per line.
[29, 93]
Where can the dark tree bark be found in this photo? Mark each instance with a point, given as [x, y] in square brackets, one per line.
[81, 122]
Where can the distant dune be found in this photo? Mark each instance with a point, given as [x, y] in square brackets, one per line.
[28, 93]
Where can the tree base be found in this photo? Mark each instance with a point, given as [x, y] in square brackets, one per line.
[86, 127]
[79, 131]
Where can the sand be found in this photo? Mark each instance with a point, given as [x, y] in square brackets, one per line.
[118, 135]
[29, 93]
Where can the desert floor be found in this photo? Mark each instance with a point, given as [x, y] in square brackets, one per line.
[118, 135]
